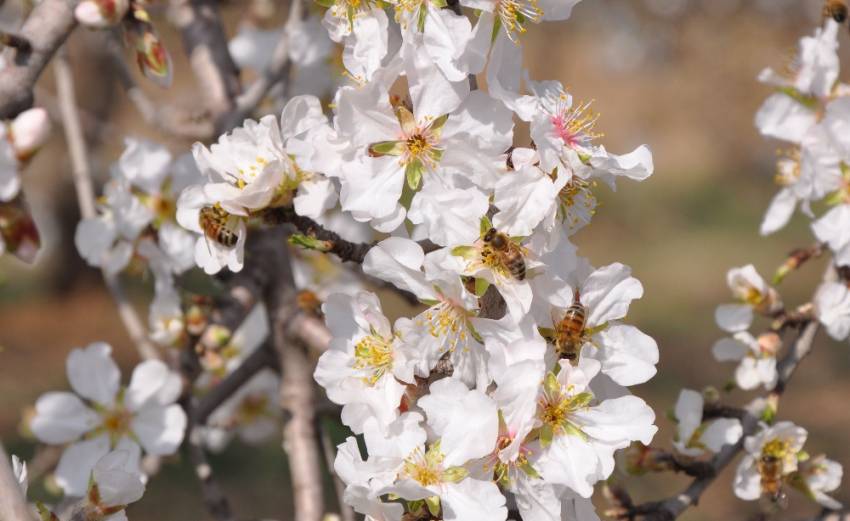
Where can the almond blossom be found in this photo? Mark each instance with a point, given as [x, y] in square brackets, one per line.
[101, 415]
[695, 437]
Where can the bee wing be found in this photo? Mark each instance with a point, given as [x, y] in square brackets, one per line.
[557, 314]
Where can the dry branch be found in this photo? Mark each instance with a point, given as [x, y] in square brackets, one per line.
[45, 29]
[81, 171]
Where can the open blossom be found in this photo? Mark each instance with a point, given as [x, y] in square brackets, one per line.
[753, 295]
[578, 428]
[832, 229]
[756, 357]
[115, 483]
[367, 365]
[771, 456]
[820, 475]
[251, 413]
[136, 216]
[695, 437]
[101, 415]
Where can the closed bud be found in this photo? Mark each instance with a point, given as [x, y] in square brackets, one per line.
[29, 131]
[151, 55]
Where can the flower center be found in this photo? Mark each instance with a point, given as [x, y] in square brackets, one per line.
[577, 195]
[253, 407]
[374, 355]
[116, 423]
[447, 321]
[514, 14]
[788, 169]
[249, 172]
[426, 469]
[557, 404]
[574, 124]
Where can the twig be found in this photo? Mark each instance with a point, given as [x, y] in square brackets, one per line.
[81, 171]
[13, 504]
[214, 499]
[206, 46]
[277, 70]
[671, 508]
[345, 250]
[45, 29]
[345, 510]
[256, 361]
[17, 42]
[832, 515]
[170, 120]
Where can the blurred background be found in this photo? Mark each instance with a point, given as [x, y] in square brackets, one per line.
[679, 75]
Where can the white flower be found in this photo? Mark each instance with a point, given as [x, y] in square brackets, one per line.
[446, 327]
[167, 324]
[447, 140]
[757, 358]
[832, 307]
[579, 434]
[511, 17]
[103, 416]
[627, 354]
[753, 293]
[362, 28]
[366, 365]
[771, 455]
[695, 437]
[821, 475]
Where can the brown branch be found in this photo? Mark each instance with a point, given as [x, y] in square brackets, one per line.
[345, 510]
[18, 43]
[345, 250]
[213, 496]
[670, 508]
[13, 504]
[206, 46]
[81, 171]
[256, 362]
[45, 29]
[277, 70]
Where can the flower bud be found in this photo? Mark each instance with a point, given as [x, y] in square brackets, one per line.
[151, 55]
[29, 131]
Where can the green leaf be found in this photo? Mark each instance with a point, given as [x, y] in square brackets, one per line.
[481, 286]
[485, 225]
[413, 173]
[467, 252]
[386, 148]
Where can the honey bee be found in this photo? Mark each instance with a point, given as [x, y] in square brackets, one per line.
[835, 9]
[309, 302]
[770, 469]
[214, 222]
[569, 330]
[509, 253]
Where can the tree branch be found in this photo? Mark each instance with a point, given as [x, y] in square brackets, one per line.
[206, 46]
[46, 28]
[277, 70]
[345, 250]
[671, 508]
[13, 504]
[81, 171]
[345, 511]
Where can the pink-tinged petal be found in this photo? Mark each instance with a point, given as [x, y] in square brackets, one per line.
[61, 417]
[78, 460]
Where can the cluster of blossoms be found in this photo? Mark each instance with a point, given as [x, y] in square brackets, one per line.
[810, 111]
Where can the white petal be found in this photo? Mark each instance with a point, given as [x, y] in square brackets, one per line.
[160, 429]
[619, 420]
[117, 479]
[779, 212]
[607, 293]
[720, 432]
[151, 379]
[75, 465]
[688, 413]
[473, 500]
[399, 261]
[747, 484]
[62, 417]
[733, 317]
[728, 350]
[628, 355]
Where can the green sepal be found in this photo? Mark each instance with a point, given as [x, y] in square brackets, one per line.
[546, 435]
[835, 198]
[467, 252]
[429, 302]
[551, 384]
[671, 415]
[572, 430]
[481, 286]
[310, 243]
[326, 3]
[497, 26]
[420, 23]
[413, 173]
[529, 470]
[475, 334]
[803, 455]
[485, 225]
[433, 504]
[582, 400]
[386, 148]
[810, 102]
